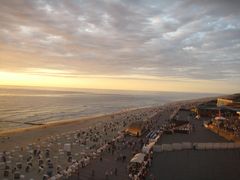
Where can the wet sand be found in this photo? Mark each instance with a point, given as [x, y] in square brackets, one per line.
[24, 136]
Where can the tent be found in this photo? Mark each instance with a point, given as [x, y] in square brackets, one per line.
[136, 128]
[220, 118]
[138, 158]
[155, 139]
[147, 148]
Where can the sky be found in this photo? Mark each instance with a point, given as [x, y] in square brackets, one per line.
[162, 45]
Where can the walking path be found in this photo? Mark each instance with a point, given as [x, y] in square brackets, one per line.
[218, 164]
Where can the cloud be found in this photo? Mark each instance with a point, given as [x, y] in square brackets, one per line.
[183, 39]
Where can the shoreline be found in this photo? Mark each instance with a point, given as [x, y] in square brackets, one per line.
[37, 134]
[86, 137]
[70, 121]
[82, 120]
[24, 136]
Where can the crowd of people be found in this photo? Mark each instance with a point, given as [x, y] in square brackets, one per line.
[48, 159]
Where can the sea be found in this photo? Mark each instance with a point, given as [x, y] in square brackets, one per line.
[22, 107]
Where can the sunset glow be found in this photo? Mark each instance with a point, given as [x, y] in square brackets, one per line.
[91, 45]
[107, 82]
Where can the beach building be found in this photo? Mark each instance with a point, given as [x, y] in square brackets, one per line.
[224, 102]
[207, 109]
[136, 128]
[211, 111]
[224, 116]
[231, 101]
[228, 106]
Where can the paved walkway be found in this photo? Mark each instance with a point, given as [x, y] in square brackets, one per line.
[187, 164]
[190, 164]
[197, 165]
[129, 147]
[109, 163]
[200, 134]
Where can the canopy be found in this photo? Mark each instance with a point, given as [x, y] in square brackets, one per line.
[138, 158]
[220, 118]
[147, 148]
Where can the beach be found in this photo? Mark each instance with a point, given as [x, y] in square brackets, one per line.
[119, 90]
[33, 134]
[78, 149]
[93, 132]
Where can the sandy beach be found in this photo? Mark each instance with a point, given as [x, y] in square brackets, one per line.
[24, 136]
[85, 136]
[119, 90]
[41, 150]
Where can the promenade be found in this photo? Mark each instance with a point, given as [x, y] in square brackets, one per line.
[195, 164]
[111, 162]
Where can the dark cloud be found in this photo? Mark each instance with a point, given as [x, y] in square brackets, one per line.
[183, 39]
